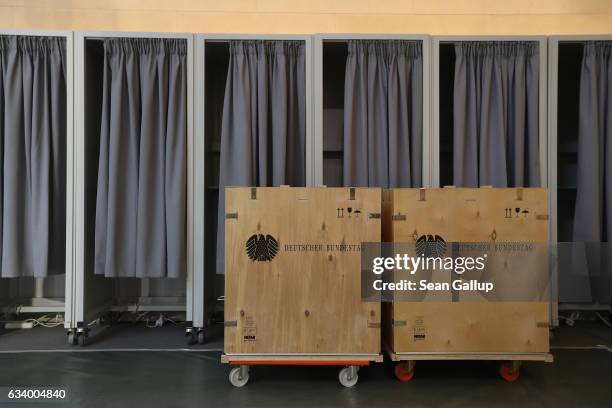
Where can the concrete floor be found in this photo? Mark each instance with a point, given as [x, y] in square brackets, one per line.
[580, 376]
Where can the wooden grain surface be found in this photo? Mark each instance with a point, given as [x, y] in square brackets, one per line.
[305, 302]
[472, 17]
[473, 215]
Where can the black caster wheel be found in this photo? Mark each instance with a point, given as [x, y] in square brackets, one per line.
[72, 338]
[195, 336]
[81, 338]
[192, 336]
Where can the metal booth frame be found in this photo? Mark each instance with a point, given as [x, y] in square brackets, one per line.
[200, 138]
[84, 285]
[40, 304]
[553, 94]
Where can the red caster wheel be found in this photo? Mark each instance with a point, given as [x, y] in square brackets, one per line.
[509, 372]
[404, 371]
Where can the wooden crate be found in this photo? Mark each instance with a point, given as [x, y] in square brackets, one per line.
[292, 273]
[468, 215]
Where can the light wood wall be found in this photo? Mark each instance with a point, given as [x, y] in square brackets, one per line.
[469, 17]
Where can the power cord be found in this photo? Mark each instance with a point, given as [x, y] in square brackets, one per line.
[45, 322]
[603, 319]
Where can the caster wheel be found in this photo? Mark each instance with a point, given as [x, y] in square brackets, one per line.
[72, 340]
[201, 337]
[238, 377]
[508, 372]
[348, 376]
[403, 371]
[82, 339]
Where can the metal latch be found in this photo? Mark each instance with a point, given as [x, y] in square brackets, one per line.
[398, 217]
[519, 194]
[231, 323]
[253, 193]
[398, 323]
[374, 216]
[231, 216]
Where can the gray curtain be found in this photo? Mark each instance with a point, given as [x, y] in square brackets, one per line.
[263, 130]
[495, 114]
[142, 180]
[593, 221]
[32, 156]
[383, 114]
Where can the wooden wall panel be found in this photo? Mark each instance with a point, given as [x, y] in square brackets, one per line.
[468, 17]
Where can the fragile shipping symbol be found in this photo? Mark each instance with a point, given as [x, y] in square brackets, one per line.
[349, 211]
[516, 211]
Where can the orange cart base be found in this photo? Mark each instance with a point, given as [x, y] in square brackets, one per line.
[509, 368]
[348, 375]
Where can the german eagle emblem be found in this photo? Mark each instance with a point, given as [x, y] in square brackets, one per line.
[430, 246]
[261, 248]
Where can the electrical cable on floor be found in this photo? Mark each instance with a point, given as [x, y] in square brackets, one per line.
[41, 321]
[603, 319]
[159, 322]
[149, 325]
[140, 317]
[135, 312]
[175, 322]
[145, 316]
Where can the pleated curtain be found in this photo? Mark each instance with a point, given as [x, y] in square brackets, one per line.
[496, 114]
[593, 214]
[263, 129]
[593, 221]
[140, 227]
[383, 114]
[32, 156]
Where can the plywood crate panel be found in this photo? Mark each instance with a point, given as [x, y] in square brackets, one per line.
[470, 215]
[306, 299]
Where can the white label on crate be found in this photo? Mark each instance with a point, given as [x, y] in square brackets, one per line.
[419, 330]
[249, 330]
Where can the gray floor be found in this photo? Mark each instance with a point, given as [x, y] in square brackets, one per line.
[580, 376]
[120, 336]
